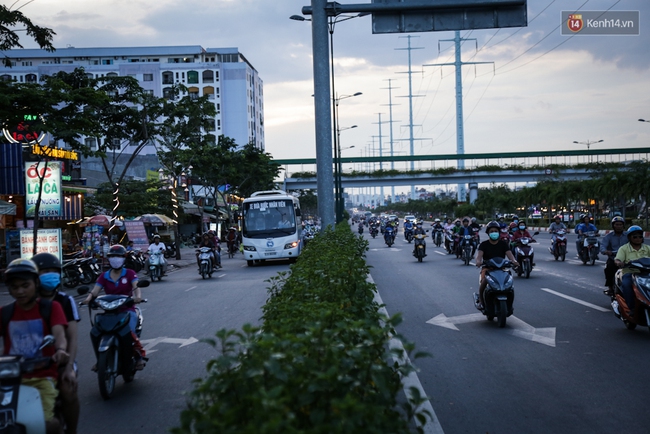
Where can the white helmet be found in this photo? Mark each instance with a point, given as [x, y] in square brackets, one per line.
[437, 221]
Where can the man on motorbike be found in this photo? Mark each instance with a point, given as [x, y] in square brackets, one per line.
[583, 227]
[553, 228]
[49, 268]
[217, 247]
[609, 247]
[408, 226]
[634, 249]
[419, 230]
[121, 281]
[466, 229]
[158, 246]
[27, 327]
[493, 247]
[206, 242]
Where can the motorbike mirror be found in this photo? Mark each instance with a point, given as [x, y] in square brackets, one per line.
[83, 290]
[536, 233]
[47, 341]
[143, 283]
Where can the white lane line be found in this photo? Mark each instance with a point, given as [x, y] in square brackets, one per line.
[441, 253]
[220, 276]
[431, 426]
[575, 300]
[190, 288]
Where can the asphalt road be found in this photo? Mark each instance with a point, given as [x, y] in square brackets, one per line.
[563, 363]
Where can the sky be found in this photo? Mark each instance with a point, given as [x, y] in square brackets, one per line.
[544, 91]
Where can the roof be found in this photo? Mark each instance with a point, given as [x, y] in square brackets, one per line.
[108, 51]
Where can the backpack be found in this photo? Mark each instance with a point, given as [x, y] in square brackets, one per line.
[44, 308]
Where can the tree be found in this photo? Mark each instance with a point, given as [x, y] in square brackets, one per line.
[9, 38]
[138, 197]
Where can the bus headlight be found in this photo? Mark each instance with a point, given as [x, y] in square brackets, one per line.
[291, 245]
[250, 248]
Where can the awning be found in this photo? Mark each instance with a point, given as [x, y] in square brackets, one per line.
[7, 208]
[193, 209]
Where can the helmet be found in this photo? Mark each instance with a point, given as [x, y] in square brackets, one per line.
[473, 219]
[514, 217]
[558, 216]
[630, 231]
[523, 223]
[582, 216]
[46, 260]
[22, 267]
[491, 225]
[117, 250]
[465, 219]
[436, 221]
[156, 236]
[617, 218]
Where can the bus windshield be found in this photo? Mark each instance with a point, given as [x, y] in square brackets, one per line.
[269, 218]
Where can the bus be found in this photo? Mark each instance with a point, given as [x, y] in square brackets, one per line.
[272, 226]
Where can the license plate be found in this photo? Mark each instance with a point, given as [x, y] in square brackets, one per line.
[270, 253]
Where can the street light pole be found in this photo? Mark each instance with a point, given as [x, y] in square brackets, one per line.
[339, 172]
[337, 154]
[588, 143]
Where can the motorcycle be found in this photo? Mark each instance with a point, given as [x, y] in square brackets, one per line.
[559, 248]
[419, 246]
[641, 285]
[466, 246]
[590, 247]
[308, 235]
[373, 230]
[156, 265]
[499, 293]
[360, 229]
[135, 261]
[170, 250]
[389, 235]
[71, 273]
[408, 235]
[21, 410]
[112, 339]
[438, 237]
[90, 271]
[524, 255]
[449, 242]
[205, 262]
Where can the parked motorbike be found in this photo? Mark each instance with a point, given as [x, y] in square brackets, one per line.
[21, 410]
[590, 247]
[156, 266]
[419, 246]
[71, 273]
[389, 235]
[641, 285]
[408, 235]
[307, 236]
[205, 262]
[135, 260]
[112, 339]
[524, 254]
[559, 249]
[170, 250]
[499, 293]
[90, 270]
[438, 237]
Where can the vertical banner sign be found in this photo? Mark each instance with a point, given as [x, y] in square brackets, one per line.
[137, 233]
[51, 195]
[47, 241]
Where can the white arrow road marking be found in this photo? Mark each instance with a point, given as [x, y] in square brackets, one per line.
[150, 343]
[519, 328]
[575, 300]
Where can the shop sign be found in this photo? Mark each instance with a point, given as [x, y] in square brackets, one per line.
[51, 188]
[47, 241]
[22, 133]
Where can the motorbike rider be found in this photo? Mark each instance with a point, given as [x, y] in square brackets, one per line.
[121, 281]
[408, 226]
[634, 249]
[26, 329]
[437, 225]
[49, 268]
[491, 248]
[584, 226]
[419, 230]
[609, 247]
[206, 242]
[158, 246]
[514, 225]
[466, 229]
[477, 227]
[217, 247]
[553, 228]
[521, 232]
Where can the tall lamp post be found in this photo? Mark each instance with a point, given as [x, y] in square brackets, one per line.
[340, 202]
[337, 154]
[588, 143]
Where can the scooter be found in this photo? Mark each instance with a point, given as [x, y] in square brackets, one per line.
[156, 266]
[205, 262]
[449, 242]
[466, 246]
[21, 410]
[419, 246]
[590, 247]
[374, 231]
[499, 293]
[437, 237]
[360, 229]
[525, 255]
[641, 285]
[170, 250]
[408, 235]
[559, 248]
[112, 339]
[389, 235]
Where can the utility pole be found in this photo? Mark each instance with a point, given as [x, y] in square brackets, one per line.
[460, 135]
[410, 97]
[381, 155]
[390, 125]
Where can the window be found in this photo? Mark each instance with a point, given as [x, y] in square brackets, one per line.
[114, 144]
[107, 61]
[192, 77]
[91, 143]
[210, 125]
[5, 77]
[216, 73]
[148, 91]
[30, 78]
[27, 63]
[147, 77]
[209, 90]
[90, 75]
[111, 74]
[193, 93]
[168, 77]
[208, 77]
[167, 93]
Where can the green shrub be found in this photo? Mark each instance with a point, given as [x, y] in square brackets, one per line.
[319, 364]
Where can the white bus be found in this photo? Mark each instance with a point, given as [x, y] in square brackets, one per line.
[272, 226]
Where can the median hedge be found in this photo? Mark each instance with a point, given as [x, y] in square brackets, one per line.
[319, 364]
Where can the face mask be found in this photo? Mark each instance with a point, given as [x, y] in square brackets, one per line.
[50, 281]
[516, 221]
[494, 235]
[116, 262]
[522, 227]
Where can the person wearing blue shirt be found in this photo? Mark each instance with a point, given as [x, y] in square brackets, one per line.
[609, 247]
[583, 227]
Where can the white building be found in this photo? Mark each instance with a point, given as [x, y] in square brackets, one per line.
[222, 73]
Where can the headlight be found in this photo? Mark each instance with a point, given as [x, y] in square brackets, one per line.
[291, 245]
[111, 305]
[643, 281]
[10, 370]
[509, 282]
[490, 280]
[250, 248]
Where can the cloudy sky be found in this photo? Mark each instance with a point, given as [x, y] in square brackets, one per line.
[544, 92]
